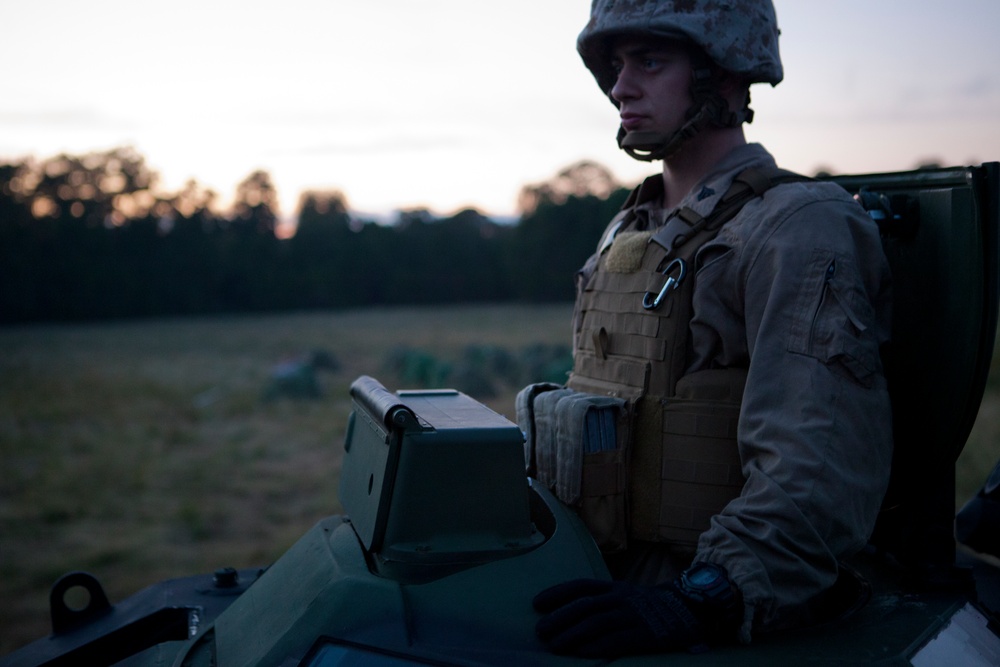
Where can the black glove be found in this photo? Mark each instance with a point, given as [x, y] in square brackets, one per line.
[607, 619]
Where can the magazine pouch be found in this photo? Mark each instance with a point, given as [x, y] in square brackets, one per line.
[574, 445]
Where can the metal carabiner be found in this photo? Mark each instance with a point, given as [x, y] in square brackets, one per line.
[672, 283]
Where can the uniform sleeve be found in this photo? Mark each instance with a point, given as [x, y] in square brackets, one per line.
[815, 439]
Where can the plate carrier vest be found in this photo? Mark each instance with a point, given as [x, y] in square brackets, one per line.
[677, 463]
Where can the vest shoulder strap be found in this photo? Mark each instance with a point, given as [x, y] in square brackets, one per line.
[748, 184]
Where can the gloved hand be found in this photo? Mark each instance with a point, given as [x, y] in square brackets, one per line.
[591, 618]
[607, 619]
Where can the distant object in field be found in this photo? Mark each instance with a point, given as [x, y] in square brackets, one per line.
[297, 378]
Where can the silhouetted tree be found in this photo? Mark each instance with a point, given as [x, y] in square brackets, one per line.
[453, 259]
[256, 206]
[562, 220]
[581, 179]
[319, 256]
[91, 236]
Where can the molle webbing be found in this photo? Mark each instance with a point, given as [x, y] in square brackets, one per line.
[683, 458]
[678, 487]
[621, 341]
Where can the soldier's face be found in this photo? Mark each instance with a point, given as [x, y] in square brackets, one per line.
[653, 86]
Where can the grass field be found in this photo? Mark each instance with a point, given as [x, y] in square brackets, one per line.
[141, 451]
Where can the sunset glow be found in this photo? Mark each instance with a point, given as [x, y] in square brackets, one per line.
[446, 104]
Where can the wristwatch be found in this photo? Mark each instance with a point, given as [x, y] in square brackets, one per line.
[707, 584]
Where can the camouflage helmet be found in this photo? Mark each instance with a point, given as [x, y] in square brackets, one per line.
[740, 36]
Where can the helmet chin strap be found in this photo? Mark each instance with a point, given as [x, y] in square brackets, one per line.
[650, 146]
[709, 109]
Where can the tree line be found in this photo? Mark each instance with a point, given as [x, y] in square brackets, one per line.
[91, 237]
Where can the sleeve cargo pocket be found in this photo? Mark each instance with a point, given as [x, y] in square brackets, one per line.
[833, 316]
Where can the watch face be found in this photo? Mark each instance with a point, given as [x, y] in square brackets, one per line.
[704, 575]
[707, 583]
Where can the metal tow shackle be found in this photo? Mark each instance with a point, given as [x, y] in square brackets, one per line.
[649, 302]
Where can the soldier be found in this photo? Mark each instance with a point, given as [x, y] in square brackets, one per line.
[732, 315]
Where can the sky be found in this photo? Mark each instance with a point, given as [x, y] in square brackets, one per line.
[447, 104]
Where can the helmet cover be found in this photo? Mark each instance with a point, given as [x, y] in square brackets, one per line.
[740, 36]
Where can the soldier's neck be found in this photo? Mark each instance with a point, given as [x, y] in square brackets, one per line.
[685, 169]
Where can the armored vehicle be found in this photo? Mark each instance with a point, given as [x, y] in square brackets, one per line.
[445, 540]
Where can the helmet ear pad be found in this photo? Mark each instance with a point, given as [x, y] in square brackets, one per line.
[735, 91]
[719, 90]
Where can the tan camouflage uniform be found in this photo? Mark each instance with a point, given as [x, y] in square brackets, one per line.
[795, 289]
